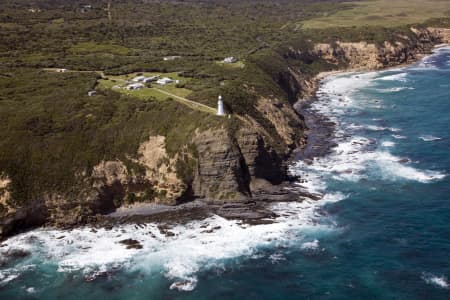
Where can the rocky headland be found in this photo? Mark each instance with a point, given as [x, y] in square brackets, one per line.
[232, 172]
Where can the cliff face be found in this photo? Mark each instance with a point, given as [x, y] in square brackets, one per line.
[368, 56]
[401, 49]
[443, 34]
[229, 165]
[152, 176]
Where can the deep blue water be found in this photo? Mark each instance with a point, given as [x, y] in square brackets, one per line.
[381, 232]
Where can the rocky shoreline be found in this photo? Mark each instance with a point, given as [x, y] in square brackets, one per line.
[253, 211]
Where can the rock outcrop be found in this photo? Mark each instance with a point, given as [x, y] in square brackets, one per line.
[442, 33]
[160, 171]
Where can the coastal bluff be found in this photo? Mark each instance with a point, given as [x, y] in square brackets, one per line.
[225, 163]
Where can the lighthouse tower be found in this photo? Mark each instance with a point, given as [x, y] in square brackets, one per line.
[220, 111]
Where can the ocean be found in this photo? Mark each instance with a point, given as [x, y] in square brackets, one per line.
[381, 231]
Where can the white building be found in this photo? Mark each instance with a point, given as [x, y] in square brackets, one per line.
[150, 79]
[135, 86]
[220, 111]
[230, 60]
[92, 93]
[61, 70]
[138, 79]
[164, 81]
[171, 57]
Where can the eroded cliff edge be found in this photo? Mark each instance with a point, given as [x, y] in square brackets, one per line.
[230, 161]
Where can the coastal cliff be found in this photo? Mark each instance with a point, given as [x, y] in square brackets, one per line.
[402, 48]
[224, 163]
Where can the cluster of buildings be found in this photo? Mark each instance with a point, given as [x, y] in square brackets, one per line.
[138, 82]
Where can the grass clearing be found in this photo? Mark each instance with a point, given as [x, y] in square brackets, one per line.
[91, 47]
[386, 13]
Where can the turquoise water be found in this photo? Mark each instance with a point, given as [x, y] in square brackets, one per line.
[382, 230]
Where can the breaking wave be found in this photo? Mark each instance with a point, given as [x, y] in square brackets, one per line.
[395, 77]
[438, 281]
[429, 138]
[181, 255]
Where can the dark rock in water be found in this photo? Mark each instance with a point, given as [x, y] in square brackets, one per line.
[212, 229]
[16, 253]
[260, 221]
[131, 244]
[164, 229]
[169, 233]
[404, 160]
[308, 161]
[13, 254]
[60, 237]
[98, 274]
[311, 195]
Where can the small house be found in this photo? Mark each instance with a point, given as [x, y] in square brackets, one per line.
[92, 93]
[230, 60]
[173, 57]
[164, 81]
[61, 70]
[138, 79]
[134, 86]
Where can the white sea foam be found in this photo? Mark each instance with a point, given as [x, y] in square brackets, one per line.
[398, 137]
[357, 157]
[375, 127]
[395, 77]
[10, 274]
[354, 159]
[394, 89]
[313, 245]
[429, 138]
[186, 285]
[7, 276]
[277, 258]
[388, 144]
[439, 281]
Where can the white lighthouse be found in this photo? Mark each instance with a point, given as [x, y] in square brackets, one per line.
[220, 111]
